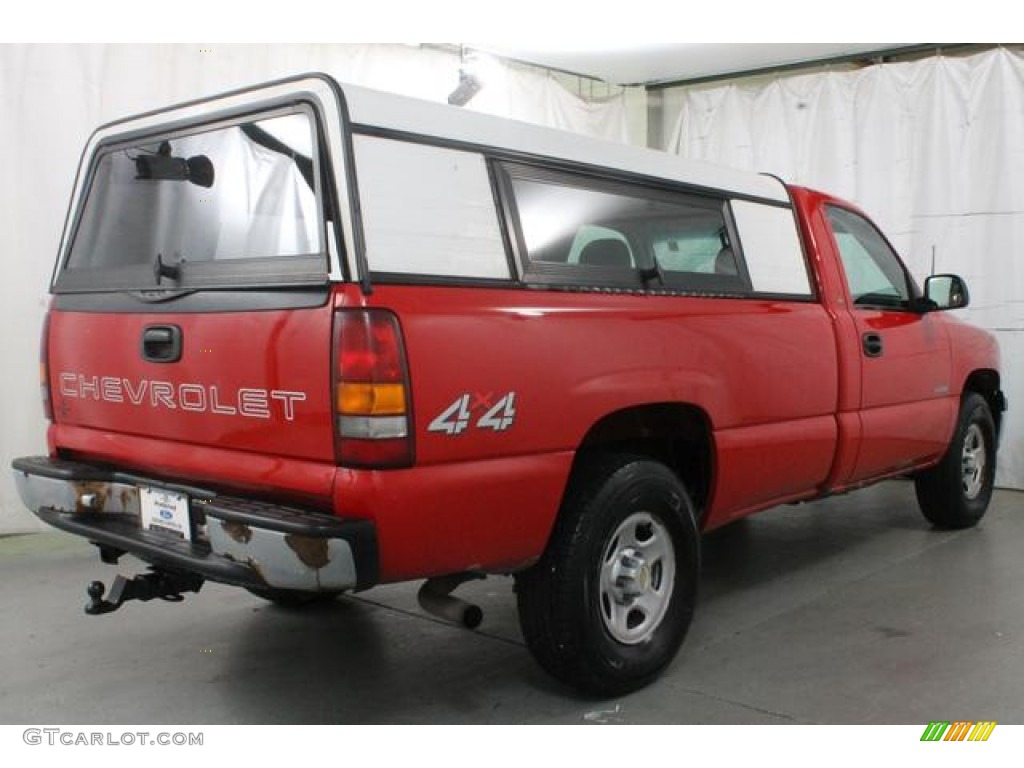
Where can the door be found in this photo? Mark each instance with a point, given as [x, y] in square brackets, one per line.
[907, 407]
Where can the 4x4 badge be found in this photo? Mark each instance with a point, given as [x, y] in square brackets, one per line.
[456, 418]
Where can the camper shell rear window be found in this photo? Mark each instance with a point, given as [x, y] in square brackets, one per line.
[222, 205]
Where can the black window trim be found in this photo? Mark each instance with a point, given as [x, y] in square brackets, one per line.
[543, 274]
[194, 302]
[243, 273]
[611, 173]
[500, 200]
[547, 273]
[497, 156]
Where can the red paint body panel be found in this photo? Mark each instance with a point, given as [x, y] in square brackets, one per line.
[770, 464]
[971, 349]
[205, 465]
[572, 359]
[897, 411]
[493, 514]
[225, 357]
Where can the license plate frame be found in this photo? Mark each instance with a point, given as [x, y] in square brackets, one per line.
[165, 512]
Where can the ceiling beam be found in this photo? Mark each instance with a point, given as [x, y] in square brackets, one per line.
[874, 57]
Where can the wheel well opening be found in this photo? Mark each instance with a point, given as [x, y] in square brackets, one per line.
[675, 434]
[986, 383]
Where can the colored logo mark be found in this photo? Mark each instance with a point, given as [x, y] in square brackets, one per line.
[958, 731]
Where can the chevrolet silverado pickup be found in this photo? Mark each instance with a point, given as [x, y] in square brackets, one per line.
[307, 338]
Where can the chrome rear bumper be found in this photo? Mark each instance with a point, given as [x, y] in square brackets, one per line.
[236, 541]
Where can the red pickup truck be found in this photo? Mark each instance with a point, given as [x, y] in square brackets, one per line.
[307, 338]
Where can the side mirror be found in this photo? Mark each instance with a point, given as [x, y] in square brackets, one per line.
[946, 292]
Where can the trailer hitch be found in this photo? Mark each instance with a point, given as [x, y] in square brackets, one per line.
[164, 585]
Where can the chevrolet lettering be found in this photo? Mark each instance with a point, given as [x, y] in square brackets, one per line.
[255, 403]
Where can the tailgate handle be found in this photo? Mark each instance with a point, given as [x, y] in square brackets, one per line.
[161, 344]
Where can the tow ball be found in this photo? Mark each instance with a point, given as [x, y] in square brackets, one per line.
[146, 586]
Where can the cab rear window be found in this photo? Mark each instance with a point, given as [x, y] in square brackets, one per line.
[222, 206]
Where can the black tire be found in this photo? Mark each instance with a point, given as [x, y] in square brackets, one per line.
[574, 623]
[955, 493]
[293, 599]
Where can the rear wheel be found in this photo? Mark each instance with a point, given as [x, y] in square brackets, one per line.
[955, 493]
[609, 603]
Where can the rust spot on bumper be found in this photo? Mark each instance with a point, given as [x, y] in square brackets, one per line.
[128, 496]
[99, 491]
[237, 531]
[312, 552]
[258, 571]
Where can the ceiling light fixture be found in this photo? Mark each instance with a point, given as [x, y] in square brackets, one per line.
[470, 82]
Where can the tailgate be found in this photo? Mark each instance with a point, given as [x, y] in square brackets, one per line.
[251, 381]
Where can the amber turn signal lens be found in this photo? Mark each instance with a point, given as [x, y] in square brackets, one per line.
[358, 399]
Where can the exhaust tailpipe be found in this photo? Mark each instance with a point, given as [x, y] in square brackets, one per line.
[435, 597]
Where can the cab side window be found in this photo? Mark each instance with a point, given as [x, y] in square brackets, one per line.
[874, 273]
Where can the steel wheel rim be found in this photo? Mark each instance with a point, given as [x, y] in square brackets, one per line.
[638, 568]
[973, 462]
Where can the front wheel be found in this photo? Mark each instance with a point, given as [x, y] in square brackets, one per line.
[609, 603]
[955, 493]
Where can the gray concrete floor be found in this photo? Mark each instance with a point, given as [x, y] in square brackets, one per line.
[850, 610]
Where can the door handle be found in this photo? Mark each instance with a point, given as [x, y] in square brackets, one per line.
[872, 344]
[161, 344]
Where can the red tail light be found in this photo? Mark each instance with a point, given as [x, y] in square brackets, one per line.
[372, 406]
[44, 368]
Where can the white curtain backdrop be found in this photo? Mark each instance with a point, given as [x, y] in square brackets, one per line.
[933, 150]
[53, 96]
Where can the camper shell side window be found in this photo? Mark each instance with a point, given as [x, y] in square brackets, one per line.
[578, 229]
[428, 212]
[575, 229]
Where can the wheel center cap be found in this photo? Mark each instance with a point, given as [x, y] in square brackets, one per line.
[632, 577]
[643, 578]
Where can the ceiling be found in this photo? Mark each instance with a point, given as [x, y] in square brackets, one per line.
[647, 63]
